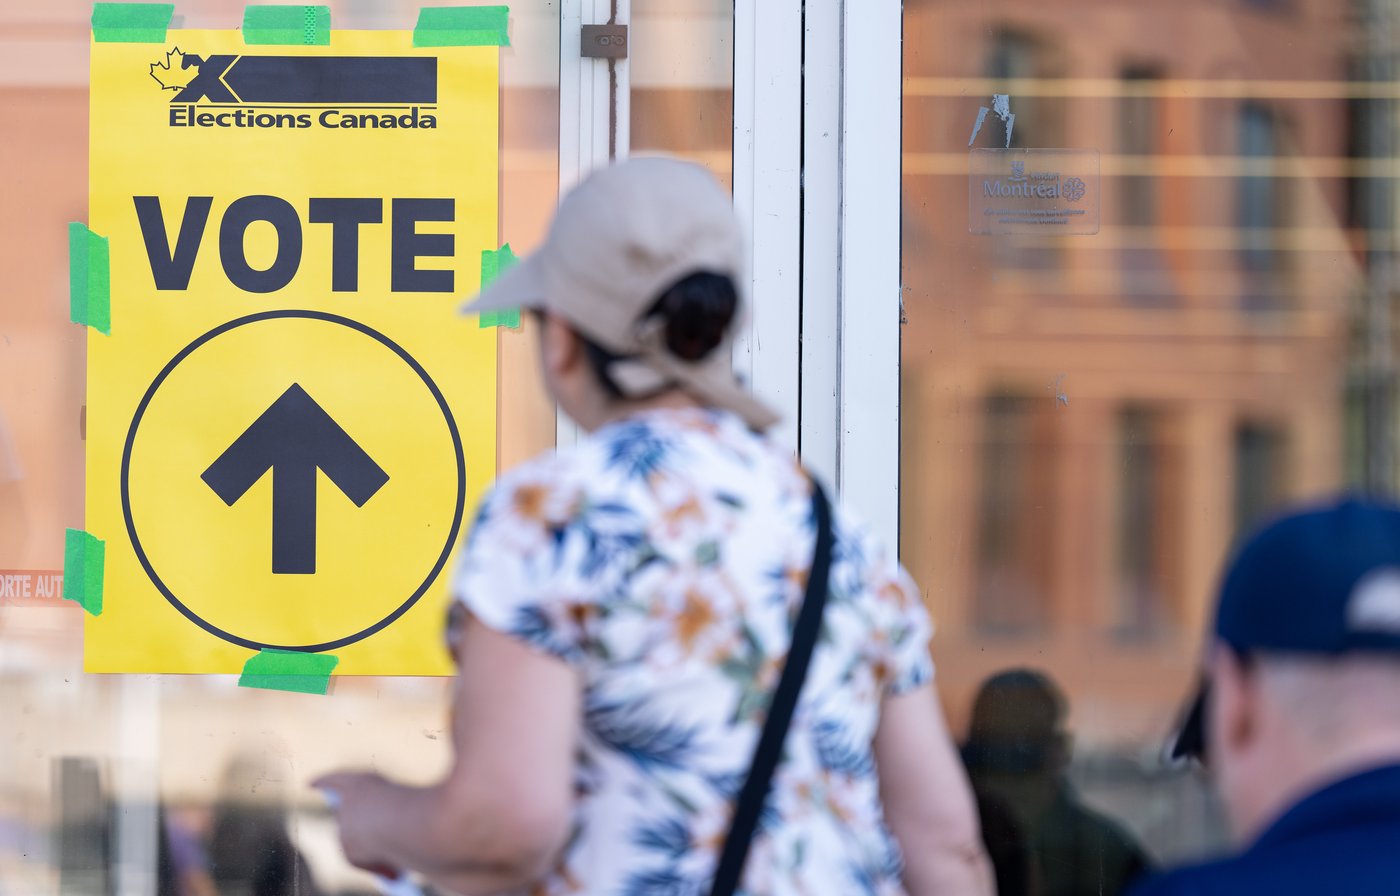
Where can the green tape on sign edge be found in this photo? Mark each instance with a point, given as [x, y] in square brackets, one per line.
[89, 279]
[289, 670]
[495, 262]
[84, 561]
[462, 26]
[131, 23]
[510, 319]
[77, 273]
[287, 25]
[99, 281]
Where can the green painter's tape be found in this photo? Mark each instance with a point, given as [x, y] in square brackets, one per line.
[462, 26]
[305, 25]
[510, 319]
[495, 262]
[131, 23]
[289, 670]
[78, 273]
[89, 279]
[84, 558]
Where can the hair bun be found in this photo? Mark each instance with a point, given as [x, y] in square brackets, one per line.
[697, 311]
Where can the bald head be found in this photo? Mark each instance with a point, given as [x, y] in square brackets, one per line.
[1284, 725]
[1331, 702]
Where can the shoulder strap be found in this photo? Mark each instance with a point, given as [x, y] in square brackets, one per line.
[770, 742]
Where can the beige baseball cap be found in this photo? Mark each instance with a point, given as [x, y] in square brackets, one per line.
[618, 240]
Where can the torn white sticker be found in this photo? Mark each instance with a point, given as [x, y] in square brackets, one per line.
[1001, 106]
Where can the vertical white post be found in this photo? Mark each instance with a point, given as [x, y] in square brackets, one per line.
[585, 113]
[768, 198]
[821, 216]
[137, 787]
[594, 112]
[621, 110]
[869, 278]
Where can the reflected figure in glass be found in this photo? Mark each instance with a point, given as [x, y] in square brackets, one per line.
[1017, 752]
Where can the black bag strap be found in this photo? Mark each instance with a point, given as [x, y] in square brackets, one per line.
[770, 742]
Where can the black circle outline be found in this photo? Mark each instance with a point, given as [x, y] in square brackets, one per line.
[306, 315]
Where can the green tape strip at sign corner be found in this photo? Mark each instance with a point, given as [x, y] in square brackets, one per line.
[84, 560]
[89, 279]
[131, 23]
[289, 670]
[462, 26]
[303, 25]
[494, 263]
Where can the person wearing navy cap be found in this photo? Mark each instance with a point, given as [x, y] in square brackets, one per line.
[1298, 715]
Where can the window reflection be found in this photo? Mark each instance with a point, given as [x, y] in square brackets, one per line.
[1259, 472]
[249, 848]
[1147, 514]
[1088, 422]
[80, 843]
[1017, 750]
[1017, 52]
[113, 783]
[125, 775]
[1261, 207]
[13, 528]
[682, 74]
[1013, 525]
[1147, 277]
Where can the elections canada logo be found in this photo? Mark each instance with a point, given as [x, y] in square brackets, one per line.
[298, 92]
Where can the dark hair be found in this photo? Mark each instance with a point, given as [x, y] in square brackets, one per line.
[1016, 724]
[696, 311]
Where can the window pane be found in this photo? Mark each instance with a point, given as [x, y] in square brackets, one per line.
[113, 783]
[682, 71]
[1089, 421]
[1012, 529]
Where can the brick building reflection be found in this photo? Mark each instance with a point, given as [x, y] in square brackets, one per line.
[1088, 421]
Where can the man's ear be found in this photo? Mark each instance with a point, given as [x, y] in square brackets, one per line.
[1233, 713]
[560, 349]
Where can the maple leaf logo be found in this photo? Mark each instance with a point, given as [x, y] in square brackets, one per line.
[175, 73]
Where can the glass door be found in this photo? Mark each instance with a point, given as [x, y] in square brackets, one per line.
[1095, 406]
[124, 783]
[138, 784]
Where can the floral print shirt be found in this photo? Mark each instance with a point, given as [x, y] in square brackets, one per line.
[665, 558]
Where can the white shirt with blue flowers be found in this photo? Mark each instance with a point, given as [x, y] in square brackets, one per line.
[665, 558]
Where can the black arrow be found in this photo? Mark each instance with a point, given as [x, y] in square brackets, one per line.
[293, 438]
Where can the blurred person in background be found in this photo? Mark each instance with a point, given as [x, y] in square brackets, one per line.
[182, 862]
[1017, 752]
[1012, 864]
[251, 852]
[631, 603]
[1298, 717]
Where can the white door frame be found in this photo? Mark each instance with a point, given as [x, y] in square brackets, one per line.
[594, 112]
[851, 296]
[869, 292]
[817, 111]
[768, 198]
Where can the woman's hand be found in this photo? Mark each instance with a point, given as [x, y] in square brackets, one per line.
[499, 817]
[360, 800]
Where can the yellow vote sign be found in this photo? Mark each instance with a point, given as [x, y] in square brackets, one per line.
[288, 422]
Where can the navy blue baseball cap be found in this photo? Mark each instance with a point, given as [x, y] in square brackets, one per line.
[1322, 581]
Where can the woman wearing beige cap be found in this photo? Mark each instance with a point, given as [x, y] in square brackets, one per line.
[640, 708]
